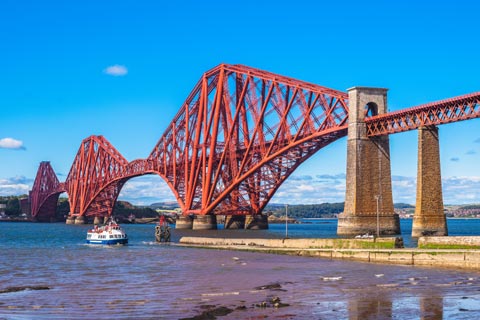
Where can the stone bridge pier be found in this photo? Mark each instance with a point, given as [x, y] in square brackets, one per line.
[368, 198]
[429, 218]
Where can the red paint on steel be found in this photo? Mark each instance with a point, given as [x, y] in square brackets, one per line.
[441, 112]
[239, 135]
[44, 195]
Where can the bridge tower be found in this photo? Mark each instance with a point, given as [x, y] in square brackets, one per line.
[429, 218]
[368, 198]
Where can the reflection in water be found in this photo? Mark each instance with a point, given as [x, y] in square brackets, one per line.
[381, 307]
[371, 308]
[431, 307]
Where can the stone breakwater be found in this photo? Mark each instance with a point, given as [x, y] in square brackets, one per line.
[367, 250]
[457, 242]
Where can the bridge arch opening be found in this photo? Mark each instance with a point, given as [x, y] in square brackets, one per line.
[54, 208]
[63, 207]
[319, 179]
[144, 197]
[371, 109]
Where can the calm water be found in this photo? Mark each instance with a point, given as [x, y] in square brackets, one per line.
[145, 280]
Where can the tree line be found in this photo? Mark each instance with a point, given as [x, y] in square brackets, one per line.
[324, 210]
[12, 204]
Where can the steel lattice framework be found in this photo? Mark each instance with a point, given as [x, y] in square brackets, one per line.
[97, 175]
[239, 135]
[45, 192]
[441, 112]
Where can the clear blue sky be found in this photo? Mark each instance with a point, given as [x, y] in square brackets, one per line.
[55, 88]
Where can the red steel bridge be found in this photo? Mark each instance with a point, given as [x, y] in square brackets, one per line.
[238, 136]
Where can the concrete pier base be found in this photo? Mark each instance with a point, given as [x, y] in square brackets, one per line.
[80, 220]
[97, 220]
[70, 220]
[206, 222]
[256, 222]
[183, 223]
[234, 222]
[350, 225]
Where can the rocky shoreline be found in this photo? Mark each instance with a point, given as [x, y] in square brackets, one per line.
[272, 301]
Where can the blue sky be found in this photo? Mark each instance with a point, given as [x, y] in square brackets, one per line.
[57, 88]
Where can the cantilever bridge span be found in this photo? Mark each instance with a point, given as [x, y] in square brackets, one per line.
[238, 136]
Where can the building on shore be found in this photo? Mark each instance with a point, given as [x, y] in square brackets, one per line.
[2, 210]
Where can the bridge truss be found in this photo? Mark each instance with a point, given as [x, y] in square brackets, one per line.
[238, 136]
[432, 114]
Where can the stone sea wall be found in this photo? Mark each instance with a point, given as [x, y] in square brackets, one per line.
[347, 249]
[450, 242]
[368, 243]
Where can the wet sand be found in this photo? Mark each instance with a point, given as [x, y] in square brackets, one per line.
[321, 289]
[56, 276]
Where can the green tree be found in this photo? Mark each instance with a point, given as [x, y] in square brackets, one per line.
[13, 207]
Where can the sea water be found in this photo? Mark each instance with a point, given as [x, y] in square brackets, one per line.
[147, 280]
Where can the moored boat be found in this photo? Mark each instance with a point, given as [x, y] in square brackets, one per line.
[109, 234]
[162, 230]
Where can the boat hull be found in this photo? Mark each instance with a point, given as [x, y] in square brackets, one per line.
[108, 241]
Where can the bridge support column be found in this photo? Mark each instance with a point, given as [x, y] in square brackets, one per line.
[256, 222]
[368, 198]
[235, 222]
[183, 222]
[70, 220]
[80, 220]
[429, 218]
[205, 222]
[98, 220]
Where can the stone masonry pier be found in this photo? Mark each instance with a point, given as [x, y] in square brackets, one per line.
[368, 196]
[429, 218]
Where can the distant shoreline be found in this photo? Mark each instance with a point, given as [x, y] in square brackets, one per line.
[297, 220]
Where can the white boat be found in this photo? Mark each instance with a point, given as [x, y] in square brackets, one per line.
[364, 236]
[111, 233]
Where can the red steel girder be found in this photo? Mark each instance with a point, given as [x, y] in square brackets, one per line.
[97, 176]
[45, 192]
[441, 112]
[92, 183]
[240, 134]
